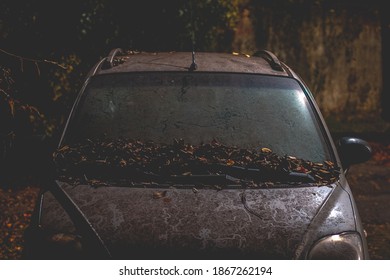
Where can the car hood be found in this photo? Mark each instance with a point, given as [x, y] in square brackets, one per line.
[177, 223]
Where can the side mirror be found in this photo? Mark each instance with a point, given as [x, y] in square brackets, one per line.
[352, 151]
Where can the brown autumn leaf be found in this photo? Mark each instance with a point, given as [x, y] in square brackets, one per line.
[266, 150]
[11, 104]
[122, 163]
[159, 194]
[230, 162]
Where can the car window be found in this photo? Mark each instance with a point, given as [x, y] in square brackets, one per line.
[243, 110]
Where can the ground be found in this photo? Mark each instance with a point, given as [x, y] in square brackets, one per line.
[16, 205]
[370, 184]
[369, 181]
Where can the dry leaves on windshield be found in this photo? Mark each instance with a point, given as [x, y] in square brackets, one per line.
[180, 158]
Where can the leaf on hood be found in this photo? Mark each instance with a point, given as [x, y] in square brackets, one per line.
[159, 194]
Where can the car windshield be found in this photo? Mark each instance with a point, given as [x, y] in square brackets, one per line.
[242, 110]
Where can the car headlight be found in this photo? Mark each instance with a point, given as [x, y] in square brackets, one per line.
[344, 246]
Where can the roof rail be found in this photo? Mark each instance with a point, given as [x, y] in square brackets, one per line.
[109, 62]
[270, 58]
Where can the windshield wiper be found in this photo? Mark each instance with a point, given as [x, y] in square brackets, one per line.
[107, 171]
[138, 173]
[256, 174]
[208, 179]
[207, 174]
[300, 177]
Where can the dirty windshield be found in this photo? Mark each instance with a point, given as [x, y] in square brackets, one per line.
[223, 120]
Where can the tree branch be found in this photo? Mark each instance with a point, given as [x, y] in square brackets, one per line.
[35, 61]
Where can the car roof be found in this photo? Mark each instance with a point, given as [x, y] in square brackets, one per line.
[262, 62]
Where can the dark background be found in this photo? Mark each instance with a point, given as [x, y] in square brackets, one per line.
[338, 47]
[47, 47]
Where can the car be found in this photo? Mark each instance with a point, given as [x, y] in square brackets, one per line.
[206, 155]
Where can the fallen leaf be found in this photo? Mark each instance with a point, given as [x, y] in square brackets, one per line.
[266, 150]
[229, 162]
[159, 194]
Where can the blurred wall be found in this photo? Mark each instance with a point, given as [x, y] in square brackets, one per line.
[335, 49]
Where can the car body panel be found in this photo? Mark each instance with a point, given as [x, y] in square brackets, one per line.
[279, 223]
[181, 61]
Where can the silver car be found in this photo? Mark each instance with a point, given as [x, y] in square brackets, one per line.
[186, 155]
